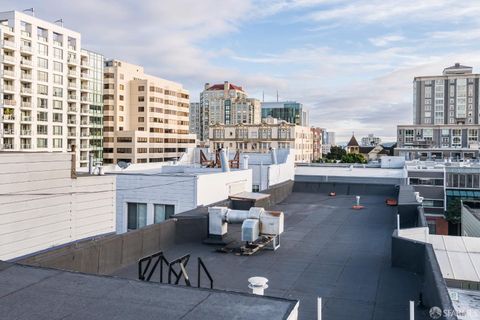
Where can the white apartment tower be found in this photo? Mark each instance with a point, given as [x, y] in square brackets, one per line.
[146, 118]
[50, 89]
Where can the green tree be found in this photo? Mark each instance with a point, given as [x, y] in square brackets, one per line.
[454, 211]
[336, 153]
[353, 158]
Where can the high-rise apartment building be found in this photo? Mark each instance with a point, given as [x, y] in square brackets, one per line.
[49, 89]
[146, 118]
[195, 117]
[445, 116]
[225, 104]
[370, 141]
[290, 111]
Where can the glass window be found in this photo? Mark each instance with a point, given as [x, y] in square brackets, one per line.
[57, 143]
[137, 215]
[163, 212]
[42, 76]
[42, 63]
[42, 143]
[58, 66]
[58, 53]
[42, 89]
[43, 49]
[57, 130]
[58, 79]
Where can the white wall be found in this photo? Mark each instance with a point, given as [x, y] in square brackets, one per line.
[41, 206]
[216, 187]
[153, 189]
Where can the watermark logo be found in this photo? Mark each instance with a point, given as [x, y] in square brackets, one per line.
[435, 312]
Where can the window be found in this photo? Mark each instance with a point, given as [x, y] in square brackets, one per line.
[57, 130]
[57, 104]
[57, 143]
[121, 87]
[57, 92]
[42, 89]
[255, 188]
[141, 109]
[121, 98]
[42, 49]
[163, 212]
[141, 88]
[42, 116]
[58, 79]
[57, 117]
[42, 76]
[58, 66]
[42, 103]
[58, 53]
[42, 129]
[137, 215]
[141, 119]
[141, 98]
[42, 63]
[42, 143]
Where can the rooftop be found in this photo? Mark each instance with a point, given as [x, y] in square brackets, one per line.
[221, 86]
[328, 250]
[331, 171]
[56, 294]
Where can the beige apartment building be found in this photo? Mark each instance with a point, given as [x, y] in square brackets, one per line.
[271, 133]
[146, 118]
[50, 89]
[223, 103]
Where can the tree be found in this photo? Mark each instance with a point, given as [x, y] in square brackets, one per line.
[454, 211]
[353, 158]
[336, 153]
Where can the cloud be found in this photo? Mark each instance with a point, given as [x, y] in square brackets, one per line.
[386, 40]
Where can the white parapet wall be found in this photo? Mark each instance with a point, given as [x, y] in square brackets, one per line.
[41, 206]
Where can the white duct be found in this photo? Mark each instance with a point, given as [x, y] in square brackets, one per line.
[258, 285]
[245, 162]
[90, 163]
[273, 153]
[224, 160]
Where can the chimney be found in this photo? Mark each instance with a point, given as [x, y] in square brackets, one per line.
[226, 86]
[207, 85]
[73, 170]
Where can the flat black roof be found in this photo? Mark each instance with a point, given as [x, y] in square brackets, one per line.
[40, 293]
[328, 250]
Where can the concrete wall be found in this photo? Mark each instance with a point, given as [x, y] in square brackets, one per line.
[41, 206]
[470, 222]
[345, 188]
[419, 258]
[212, 188]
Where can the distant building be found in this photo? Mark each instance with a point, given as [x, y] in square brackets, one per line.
[51, 89]
[317, 135]
[352, 145]
[445, 116]
[373, 153]
[146, 117]
[371, 141]
[195, 118]
[470, 211]
[262, 137]
[289, 111]
[328, 140]
[224, 104]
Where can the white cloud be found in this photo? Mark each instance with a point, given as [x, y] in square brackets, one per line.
[386, 40]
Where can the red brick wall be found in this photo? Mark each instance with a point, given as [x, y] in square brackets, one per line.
[441, 225]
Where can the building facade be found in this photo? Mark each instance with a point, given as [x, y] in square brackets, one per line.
[317, 136]
[289, 111]
[225, 104]
[146, 118]
[445, 116]
[430, 142]
[370, 141]
[263, 137]
[195, 119]
[49, 89]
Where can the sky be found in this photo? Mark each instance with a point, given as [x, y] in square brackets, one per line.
[350, 62]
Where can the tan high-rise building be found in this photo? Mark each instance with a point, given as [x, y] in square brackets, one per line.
[146, 118]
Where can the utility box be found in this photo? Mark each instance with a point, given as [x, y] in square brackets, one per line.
[272, 223]
[250, 230]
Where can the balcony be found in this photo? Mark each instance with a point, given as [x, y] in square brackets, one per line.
[26, 146]
[26, 90]
[72, 121]
[84, 134]
[26, 49]
[85, 75]
[72, 134]
[27, 118]
[83, 158]
[42, 38]
[72, 97]
[84, 122]
[72, 73]
[9, 44]
[72, 48]
[25, 132]
[72, 109]
[72, 60]
[6, 28]
[8, 146]
[8, 117]
[25, 105]
[9, 102]
[26, 34]
[85, 87]
[26, 76]
[84, 111]
[26, 62]
[7, 58]
[8, 74]
[84, 99]
[8, 87]
[8, 132]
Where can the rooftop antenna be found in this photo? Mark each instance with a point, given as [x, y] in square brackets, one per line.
[32, 10]
[263, 96]
[59, 21]
[277, 95]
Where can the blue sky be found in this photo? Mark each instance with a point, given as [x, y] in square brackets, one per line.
[351, 62]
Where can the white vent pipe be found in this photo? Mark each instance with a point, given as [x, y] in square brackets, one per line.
[245, 162]
[224, 160]
[258, 285]
[273, 153]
